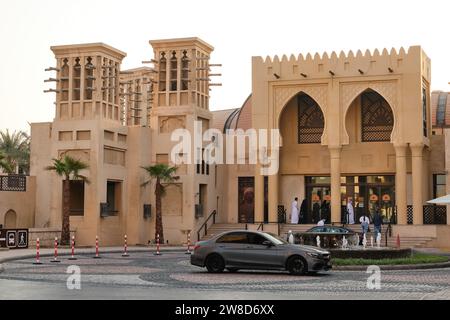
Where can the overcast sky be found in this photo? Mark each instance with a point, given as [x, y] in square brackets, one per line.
[237, 29]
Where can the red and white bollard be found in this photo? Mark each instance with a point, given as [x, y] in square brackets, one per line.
[125, 248]
[72, 257]
[97, 256]
[38, 261]
[157, 253]
[55, 258]
[188, 244]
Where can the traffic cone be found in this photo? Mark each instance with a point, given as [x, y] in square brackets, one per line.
[398, 241]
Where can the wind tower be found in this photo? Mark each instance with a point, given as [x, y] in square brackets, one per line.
[181, 93]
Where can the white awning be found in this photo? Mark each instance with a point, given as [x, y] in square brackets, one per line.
[441, 200]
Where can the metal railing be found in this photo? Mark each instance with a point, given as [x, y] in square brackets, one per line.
[260, 227]
[16, 183]
[388, 233]
[204, 226]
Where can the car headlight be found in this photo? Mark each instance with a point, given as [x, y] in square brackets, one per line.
[313, 254]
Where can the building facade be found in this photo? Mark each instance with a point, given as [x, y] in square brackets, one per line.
[361, 126]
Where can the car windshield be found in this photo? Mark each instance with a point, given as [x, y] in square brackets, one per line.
[274, 238]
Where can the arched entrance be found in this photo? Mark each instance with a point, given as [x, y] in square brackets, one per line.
[369, 123]
[10, 220]
[302, 125]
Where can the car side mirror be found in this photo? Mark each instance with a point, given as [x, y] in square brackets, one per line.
[268, 243]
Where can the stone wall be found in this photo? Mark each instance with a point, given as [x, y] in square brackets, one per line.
[46, 237]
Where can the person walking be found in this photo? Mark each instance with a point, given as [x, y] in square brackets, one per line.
[377, 222]
[350, 212]
[303, 212]
[365, 221]
[294, 211]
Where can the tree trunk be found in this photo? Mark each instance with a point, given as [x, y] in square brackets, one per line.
[65, 234]
[159, 224]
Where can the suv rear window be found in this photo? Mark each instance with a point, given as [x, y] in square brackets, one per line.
[235, 237]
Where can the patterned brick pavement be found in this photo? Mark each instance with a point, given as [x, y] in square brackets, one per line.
[173, 270]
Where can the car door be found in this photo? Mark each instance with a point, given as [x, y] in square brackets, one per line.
[262, 256]
[231, 247]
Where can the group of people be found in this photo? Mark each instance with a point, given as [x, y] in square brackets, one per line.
[321, 215]
[364, 220]
[319, 212]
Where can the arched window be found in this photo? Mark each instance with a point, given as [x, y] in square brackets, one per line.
[310, 120]
[377, 120]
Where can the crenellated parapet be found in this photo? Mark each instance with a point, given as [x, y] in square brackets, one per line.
[344, 64]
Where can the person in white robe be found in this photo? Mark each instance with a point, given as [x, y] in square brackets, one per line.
[350, 212]
[294, 211]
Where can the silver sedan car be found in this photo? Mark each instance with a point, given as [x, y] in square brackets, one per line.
[234, 250]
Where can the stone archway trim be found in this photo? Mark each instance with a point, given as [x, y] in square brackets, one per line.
[350, 91]
[284, 94]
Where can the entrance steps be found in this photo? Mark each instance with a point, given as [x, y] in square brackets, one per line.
[218, 228]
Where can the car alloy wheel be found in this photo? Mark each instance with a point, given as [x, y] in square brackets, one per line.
[297, 265]
[215, 264]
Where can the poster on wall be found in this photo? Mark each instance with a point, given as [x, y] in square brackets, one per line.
[2, 238]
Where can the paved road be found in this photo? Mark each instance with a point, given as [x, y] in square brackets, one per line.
[170, 276]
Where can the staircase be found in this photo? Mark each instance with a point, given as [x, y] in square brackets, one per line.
[218, 228]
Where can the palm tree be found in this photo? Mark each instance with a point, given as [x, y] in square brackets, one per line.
[4, 166]
[68, 168]
[16, 149]
[163, 174]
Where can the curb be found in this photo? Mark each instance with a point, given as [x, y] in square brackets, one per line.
[422, 266]
[46, 255]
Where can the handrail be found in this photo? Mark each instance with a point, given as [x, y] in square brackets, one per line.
[205, 225]
[388, 229]
[261, 226]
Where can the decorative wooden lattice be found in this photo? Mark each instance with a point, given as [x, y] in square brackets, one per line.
[409, 214]
[434, 214]
[377, 120]
[310, 120]
[15, 183]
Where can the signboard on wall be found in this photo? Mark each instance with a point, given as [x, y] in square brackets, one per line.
[14, 238]
[2, 238]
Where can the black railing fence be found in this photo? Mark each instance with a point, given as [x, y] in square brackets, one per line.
[17, 183]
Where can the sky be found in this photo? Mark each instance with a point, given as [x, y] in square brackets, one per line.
[237, 29]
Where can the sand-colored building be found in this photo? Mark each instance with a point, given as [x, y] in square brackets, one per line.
[359, 126]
